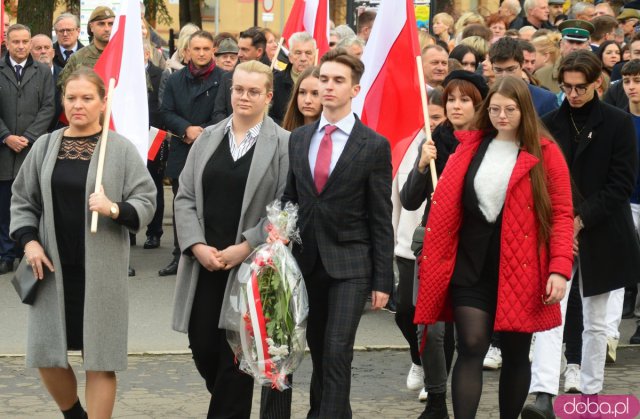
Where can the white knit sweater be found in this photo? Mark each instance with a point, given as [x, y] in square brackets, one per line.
[493, 176]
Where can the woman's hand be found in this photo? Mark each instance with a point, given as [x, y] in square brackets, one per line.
[34, 253]
[98, 201]
[234, 255]
[274, 236]
[427, 154]
[577, 227]
[556, 288]
[208, 257]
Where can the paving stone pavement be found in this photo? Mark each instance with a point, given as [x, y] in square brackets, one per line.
[168, 386]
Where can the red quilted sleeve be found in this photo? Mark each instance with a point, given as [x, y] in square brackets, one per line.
[559, 187]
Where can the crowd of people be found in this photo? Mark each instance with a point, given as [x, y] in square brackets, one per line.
[526, 257]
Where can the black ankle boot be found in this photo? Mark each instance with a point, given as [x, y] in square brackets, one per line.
[542, 408]
[436, 407]
[76, 412]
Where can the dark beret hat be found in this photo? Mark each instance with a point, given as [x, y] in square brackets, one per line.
[473, 78]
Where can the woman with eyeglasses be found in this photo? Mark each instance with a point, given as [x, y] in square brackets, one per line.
[234, 169]
[498, 245]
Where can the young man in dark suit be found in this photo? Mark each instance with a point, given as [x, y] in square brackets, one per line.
[340, 176]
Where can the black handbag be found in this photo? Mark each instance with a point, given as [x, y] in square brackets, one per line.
[417, 240]
[25, 283]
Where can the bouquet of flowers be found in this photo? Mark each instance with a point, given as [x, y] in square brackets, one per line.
[267, 306]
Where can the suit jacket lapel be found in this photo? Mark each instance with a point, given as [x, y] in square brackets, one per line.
[9, 74]
[265, 148]
[355, 142]
[307, 171]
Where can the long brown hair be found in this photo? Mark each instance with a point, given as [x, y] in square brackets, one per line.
[529, 132]
[294, 118]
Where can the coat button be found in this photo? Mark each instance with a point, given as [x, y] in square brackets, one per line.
[428, 229]
[529, 207]
[424, 257]
[526, 236]
[524, 265]
[434, 202]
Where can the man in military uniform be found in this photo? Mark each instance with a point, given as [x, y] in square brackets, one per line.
[575, 36]
[99, 28]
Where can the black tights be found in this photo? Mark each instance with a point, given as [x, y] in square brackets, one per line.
[474, 327]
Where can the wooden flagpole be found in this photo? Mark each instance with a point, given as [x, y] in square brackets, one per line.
[425, 112]
[275, 57]
[103, 150]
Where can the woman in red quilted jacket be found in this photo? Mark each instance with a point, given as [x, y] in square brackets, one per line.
[498, 245]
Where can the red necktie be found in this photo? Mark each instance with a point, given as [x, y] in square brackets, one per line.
[323, 160]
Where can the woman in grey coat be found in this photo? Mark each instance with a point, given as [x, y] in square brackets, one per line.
[81, 302]
[233, 171]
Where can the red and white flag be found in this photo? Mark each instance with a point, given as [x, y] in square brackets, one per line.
[2, 17]
[156, 137]
[311, 16]
[123, 59]
[389, 100]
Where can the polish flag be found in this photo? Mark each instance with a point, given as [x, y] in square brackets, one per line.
[389, 100]
[123, 60]
[156, 137]
[1, 21]
[311, 16]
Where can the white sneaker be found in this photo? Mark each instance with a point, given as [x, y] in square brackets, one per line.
[612, 347]
[493, 359]
[563, 359]
[572, 379]
[415, 378]
[423, 395]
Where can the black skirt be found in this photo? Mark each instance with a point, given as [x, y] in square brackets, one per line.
[74, 284]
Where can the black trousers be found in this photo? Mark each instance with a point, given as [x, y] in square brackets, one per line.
[175, 184]
[335, 308]
[231, 389]
[405, 310]
[156, 170]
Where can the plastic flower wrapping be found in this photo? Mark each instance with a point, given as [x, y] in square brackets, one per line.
[265, 312]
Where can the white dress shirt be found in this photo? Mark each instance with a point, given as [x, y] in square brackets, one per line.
[339, 139]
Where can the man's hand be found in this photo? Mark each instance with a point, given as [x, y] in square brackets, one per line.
[378, 300]
[16, 143]
[192, 133]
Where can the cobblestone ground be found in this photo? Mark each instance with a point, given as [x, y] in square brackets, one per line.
[168, 386]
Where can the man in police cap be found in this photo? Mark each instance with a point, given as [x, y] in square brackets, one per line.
[99, 29]
[575, 36]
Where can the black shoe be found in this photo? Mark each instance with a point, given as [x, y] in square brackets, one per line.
[132, 272]
[170, 269]
[629, 304]
[6, 266]
[152, 242]
[436, 407]
[132, 239]
[542, 408]
[635, 339]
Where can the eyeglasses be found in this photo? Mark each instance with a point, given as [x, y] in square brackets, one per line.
[65, 31]
[252, 93]
[580, 89]
[508, 70]
[509, 111]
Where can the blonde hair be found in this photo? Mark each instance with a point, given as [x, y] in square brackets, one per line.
[425, 39]
[254, 66]
[478, 43]
[446, 19]
[548, 44]
[468, 18]
[184, 37]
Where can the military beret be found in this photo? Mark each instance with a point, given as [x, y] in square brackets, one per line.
[101, 13]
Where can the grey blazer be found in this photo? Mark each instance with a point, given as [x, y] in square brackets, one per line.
[266, 181]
